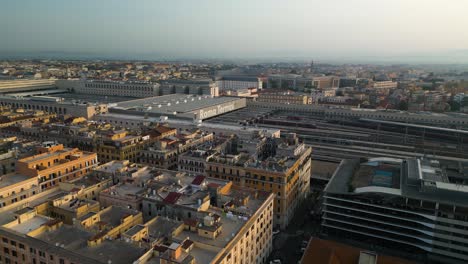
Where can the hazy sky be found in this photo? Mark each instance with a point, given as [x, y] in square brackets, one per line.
[234, 28]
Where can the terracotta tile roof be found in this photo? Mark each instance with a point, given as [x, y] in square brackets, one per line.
[191, 222]
[198, 180]
[160, 248]
[187, 243]
[172, 197]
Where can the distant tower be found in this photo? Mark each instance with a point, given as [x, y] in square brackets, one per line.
[312, 66]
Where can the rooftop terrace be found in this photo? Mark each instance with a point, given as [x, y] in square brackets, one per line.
[12, 178]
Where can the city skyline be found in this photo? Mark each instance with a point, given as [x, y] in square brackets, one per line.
[393, 31]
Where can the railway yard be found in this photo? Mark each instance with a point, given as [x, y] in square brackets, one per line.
[333, 140]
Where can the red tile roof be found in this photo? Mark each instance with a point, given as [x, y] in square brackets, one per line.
[190, 222]
[187, 243]
[160, 248]
[198, 180]
[172, 197]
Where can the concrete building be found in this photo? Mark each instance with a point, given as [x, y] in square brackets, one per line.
[412, 206]
[299, 82]
[191, 86]
[178, 106]
[54, 105]
[318, 95]
[238, 83]
[378, 85]
[110, 88]
[285, 97]
[246, 92]
[20, 85]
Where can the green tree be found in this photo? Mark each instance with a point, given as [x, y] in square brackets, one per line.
[403, 106]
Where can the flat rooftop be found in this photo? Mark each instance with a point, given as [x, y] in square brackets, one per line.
[112, 166]
[30, 224]
[231, 224]
[92, 98]
[179, 103]
[74, 204]
[75, 239]
[162, 227]
[114, 216]
[71, 238]
[12, 178]
[49, 155]
[377, 173]
[124, 190]
[9, 215]
[118, 252]
[88, 180]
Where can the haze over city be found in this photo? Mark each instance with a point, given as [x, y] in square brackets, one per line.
[234, 132]
[359, 30]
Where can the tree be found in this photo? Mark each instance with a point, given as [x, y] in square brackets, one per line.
[403, 106]
[454, 106]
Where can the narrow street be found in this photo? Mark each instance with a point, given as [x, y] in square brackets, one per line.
[287, 244]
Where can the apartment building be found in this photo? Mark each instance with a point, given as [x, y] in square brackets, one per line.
[193, 162]
[17, 187]
[37, 238]
[283, 97]
[222, 223]
[384, 85]
[413, 206]
[7, 161]
[164, 152]
[11, 118]
[56, 164]
[184, 219]
[280, 166]
[119, 145]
